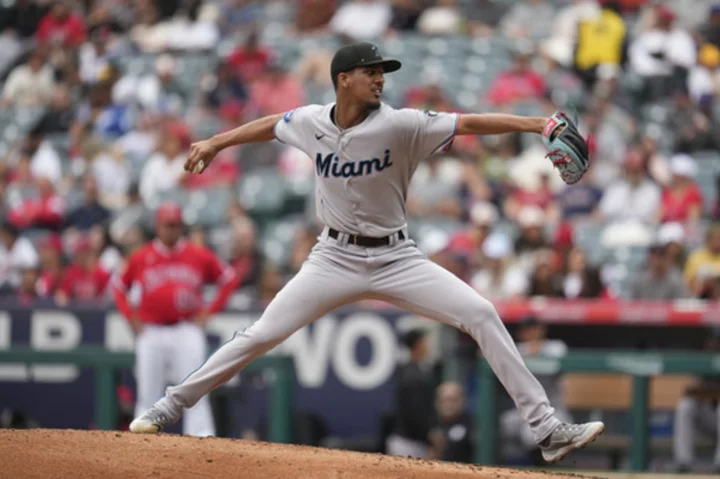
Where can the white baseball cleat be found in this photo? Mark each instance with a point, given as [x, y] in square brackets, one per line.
[568, 437]
[153, 421]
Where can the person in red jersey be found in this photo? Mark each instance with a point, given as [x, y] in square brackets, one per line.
[84, 280]
[171, 314]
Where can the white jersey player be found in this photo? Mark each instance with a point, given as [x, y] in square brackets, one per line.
[365, 154]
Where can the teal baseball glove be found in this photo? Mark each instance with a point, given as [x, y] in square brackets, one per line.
[567, 149]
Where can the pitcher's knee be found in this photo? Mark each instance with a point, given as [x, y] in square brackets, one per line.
[261, 338]
[479, 311]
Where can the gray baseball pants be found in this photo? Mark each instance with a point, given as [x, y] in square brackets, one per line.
[337, 273]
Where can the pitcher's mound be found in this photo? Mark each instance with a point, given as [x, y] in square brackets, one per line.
[44, 453]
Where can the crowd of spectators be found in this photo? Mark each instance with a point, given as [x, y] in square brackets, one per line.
[105, 142]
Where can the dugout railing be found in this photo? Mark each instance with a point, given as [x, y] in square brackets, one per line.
[106, 365]
[641, 366]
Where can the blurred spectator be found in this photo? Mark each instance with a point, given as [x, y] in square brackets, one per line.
[195, 30]
[140, 142]
[633, 196]
[147, 34]
[580, 279]
[661, 280]
[682, 199]
[129, 220]
[276, 91]
[29, 84]
[28, 291]
[672, 237]
[405, 14]
[414, 433]
[270, 283]
[483, 216]
[112, 174]
[429, 94]
[245, 256]
[91, 212]
[693, 129]
[24, 17]
[434, 191]
[313, 16]
[236, 16]
[704, 78]
[11, 47]
[662, 56]
[609, 129]
[531, 240]
[698, 411]
[602, 39]
[657, 163]
[543, 198]
[532, 341]
[499, 280]
[704, 263]
[532, 19]
[362, 19]
[456, 425]
[250, 60]
[51, 265]
[83, 280]
[165, 168]
[157, 93]
[544, 281]
[44, 160]
[94, 56]
[711, 30]
[579, 200]
[45, 211]
[109, 257]
[62, 27]
[226, 88]
[61, 114]
[517, 84]
[485, 16]
[102, 114]
[16, 254]
[444, 18]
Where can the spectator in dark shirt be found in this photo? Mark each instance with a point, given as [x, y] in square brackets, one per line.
[455, 423]
[92, 212]
[227, 88]
[59, 118]
[579, 200]
[415, 433]
[660, 280]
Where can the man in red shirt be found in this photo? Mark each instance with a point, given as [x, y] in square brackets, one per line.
[169, 319]
[61, 26]
[517, 84]
[84, 280]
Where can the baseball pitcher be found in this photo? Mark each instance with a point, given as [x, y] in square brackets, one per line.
[171, 315]
[365, 154]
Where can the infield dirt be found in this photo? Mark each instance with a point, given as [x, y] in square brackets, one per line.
[50, 453]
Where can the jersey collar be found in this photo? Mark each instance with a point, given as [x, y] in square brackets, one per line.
[166, 251]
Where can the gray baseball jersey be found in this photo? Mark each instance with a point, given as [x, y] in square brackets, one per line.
[363, 172]
[363, 175]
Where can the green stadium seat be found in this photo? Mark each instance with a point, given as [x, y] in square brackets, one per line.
[262, 192]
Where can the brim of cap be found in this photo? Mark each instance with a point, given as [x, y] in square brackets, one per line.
[389, 66]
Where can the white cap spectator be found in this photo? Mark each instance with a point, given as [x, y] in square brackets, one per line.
[497, 246]
[670, 233]
[683, 165]
[531, 216]
[483, 213]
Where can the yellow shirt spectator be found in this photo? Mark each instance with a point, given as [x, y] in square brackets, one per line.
[704, 263]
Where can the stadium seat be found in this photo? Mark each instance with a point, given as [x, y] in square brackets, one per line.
[262, 192]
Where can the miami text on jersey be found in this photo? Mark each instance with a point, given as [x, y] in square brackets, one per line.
[330, 166]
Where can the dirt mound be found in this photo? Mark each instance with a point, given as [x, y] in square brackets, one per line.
[44, 453]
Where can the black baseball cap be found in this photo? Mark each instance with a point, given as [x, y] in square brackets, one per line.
[360, 55]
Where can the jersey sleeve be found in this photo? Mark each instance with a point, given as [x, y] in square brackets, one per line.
[295, 127]
[217, 270]
[428, 132]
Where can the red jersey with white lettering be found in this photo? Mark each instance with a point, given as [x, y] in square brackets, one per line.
[172, 281]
